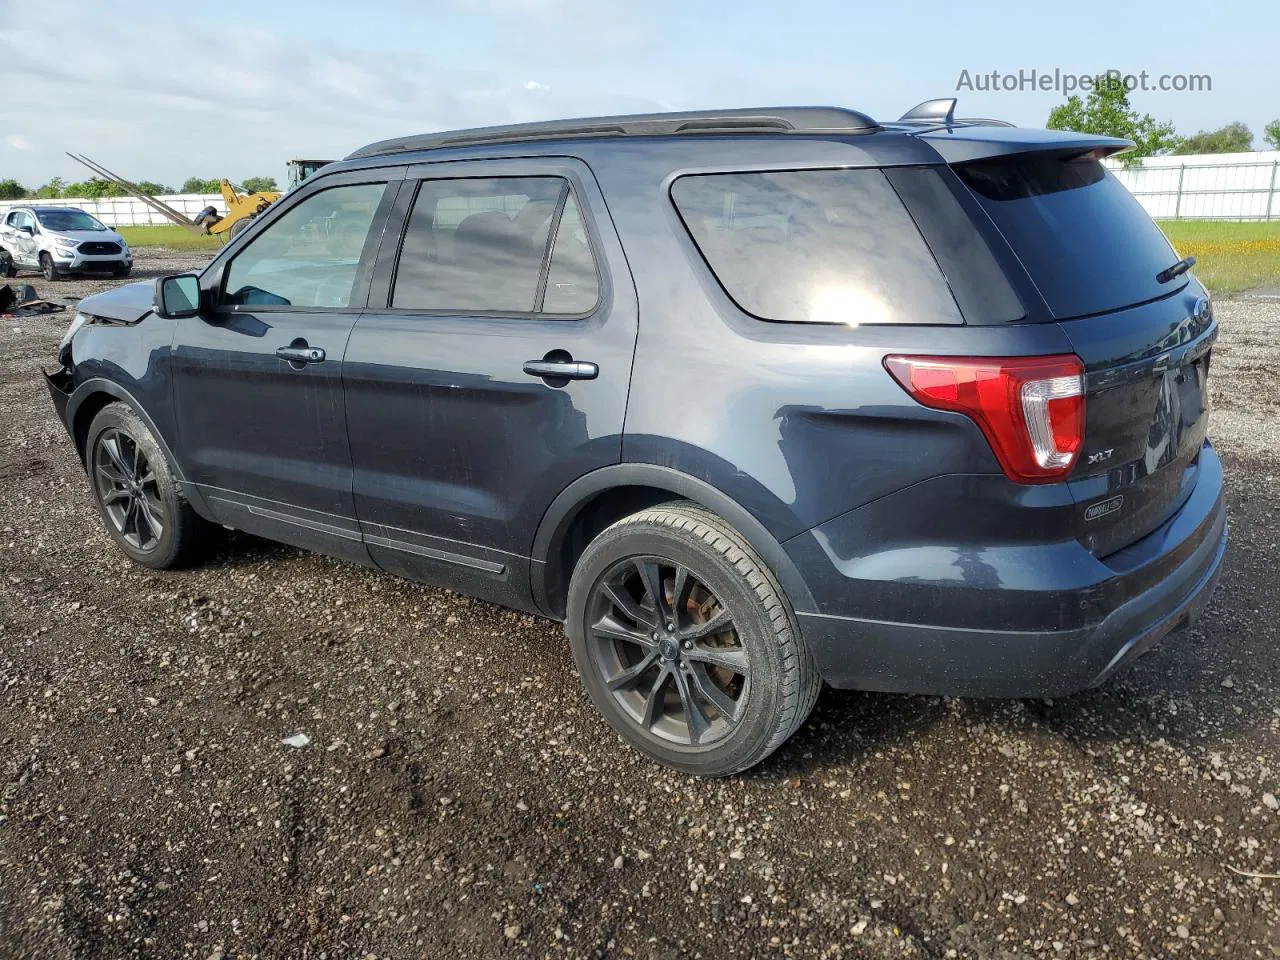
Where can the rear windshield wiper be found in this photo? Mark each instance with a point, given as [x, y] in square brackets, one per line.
[1177, 270]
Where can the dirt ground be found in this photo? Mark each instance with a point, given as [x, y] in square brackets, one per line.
[459, 798]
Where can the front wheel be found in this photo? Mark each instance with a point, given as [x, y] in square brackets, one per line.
[239, 227]
[122, 271]
[686, 643]
[144, 510]
[7, 268]
[47, 267]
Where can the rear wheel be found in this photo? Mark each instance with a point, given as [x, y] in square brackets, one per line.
[144, 511]
[686, 643]
[239, 227]
[48, 268]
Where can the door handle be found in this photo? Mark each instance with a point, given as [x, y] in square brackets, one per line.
[296, 354]
[561, 369]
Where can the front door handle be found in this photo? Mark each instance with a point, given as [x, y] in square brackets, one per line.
[300, 355]
[561, 369]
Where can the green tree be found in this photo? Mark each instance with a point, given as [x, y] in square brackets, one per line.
[260, 185]
[1233, 138]
[153, 189]
[196, 185]
[1271, 134]
[93, 189]
[12, 190]
[1106, 111]
[51, 190]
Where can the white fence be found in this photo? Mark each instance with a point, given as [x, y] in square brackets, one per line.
[1222, 186]
[129, 211]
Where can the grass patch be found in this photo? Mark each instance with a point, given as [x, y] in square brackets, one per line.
[1230, 257]
[169, 235]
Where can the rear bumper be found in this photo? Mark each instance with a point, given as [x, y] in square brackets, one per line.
[1145, 592]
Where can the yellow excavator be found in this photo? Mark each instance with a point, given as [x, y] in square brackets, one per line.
[242, 206]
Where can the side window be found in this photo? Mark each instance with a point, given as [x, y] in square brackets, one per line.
[310, 256]
[481, 246]
[573, 286]
[815, 246]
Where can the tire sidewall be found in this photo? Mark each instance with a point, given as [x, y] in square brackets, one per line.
[120, 417]
[47, 267]
[741, 747]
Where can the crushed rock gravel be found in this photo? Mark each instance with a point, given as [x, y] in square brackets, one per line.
[280, 755]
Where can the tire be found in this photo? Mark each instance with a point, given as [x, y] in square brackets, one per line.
[706, 703]
[48, 268]
[7, 268]
[116, 436]
[121, 272]
[239, 227]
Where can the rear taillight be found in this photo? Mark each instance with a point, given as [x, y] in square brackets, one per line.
[1031, 409]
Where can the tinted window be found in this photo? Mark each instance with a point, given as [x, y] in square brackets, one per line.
[572, 283]
[68, 220]
[817, 246]
[1085, 241]
[310, 256]
[979, 285]
[477, 246]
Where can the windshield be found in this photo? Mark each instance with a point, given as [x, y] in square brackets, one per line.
[67, 220]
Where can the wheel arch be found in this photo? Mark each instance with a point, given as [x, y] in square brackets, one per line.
[593, 502]
[88, 399]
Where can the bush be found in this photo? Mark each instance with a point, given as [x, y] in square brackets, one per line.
[1271, 134]
[260, 185]
[196, 185]
[1233, 138]
[51, 190]
[12, 190]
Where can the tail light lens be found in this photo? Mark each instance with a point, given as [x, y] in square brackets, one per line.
[1030, 409]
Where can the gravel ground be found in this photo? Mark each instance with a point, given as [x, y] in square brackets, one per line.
[459, 798]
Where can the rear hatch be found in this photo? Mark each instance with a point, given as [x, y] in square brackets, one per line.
[1094, 255]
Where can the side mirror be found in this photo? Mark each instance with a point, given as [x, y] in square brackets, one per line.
[178, 296]
[28, 230]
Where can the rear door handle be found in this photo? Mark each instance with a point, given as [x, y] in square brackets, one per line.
[300, 354]
[562, 369]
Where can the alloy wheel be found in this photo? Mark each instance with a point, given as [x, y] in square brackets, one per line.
[126, 486]
[668, 652]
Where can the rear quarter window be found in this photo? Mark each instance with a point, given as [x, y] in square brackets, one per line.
[815, 246]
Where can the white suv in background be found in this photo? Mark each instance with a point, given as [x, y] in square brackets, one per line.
[60, 240]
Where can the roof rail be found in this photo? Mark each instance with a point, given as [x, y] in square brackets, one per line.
[802, 120]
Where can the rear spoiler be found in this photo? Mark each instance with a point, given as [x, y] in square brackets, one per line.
[961, 144]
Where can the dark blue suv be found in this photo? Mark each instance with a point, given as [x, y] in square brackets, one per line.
[749, 399]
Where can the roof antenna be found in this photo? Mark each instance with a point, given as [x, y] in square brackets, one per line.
[943, 110]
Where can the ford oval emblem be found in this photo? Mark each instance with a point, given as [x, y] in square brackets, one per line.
[1202, 311]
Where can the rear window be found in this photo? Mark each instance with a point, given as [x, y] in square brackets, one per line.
[1086, 243]
[815, 246]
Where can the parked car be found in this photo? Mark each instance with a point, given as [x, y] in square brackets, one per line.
[61, 240]
[749, 400]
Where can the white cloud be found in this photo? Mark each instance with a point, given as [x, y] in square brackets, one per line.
[268, 101]
[19, 142]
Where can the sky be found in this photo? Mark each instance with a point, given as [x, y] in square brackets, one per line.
[158, 90]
